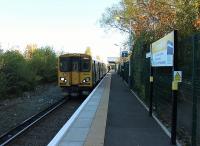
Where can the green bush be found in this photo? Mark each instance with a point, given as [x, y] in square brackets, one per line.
[43, 63]
[18, 74]
[3, 84]
[13, 71]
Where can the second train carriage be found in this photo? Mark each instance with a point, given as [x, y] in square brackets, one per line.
[78, 73]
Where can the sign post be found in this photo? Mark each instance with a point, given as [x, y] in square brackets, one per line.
[151, 89]
[174, 91]
[164, 54]
[161, 53]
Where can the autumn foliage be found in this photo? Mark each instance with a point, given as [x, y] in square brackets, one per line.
[153, 17]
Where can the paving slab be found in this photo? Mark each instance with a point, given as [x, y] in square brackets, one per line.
[71, 144]
[76, 134]
[83, 123]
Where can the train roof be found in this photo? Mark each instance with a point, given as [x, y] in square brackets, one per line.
[74, 54]
[80, 54]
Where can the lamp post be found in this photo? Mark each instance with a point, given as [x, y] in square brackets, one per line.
[118, 18]
[130, 51]
[119, 50]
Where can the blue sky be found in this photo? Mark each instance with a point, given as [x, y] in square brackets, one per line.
[67, 25]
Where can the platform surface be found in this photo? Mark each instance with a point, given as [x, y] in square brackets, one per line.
[128, 123]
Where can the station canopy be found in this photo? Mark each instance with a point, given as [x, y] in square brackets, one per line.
[113, 59]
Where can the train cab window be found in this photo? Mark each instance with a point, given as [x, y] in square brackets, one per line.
[75, 66]
[75, 61]
[85, 64]
[65, 65]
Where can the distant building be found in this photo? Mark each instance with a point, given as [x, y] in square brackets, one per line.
[112, 62]
[113, 59]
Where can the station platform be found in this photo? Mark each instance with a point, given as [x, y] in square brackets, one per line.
[111, 116]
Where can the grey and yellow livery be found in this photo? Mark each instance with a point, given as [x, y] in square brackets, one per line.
[78, 73]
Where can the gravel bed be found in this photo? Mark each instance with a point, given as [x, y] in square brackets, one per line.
[43, 132]
[16, 110]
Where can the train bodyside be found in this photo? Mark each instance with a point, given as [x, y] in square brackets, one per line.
[78, 73]
[98, 71]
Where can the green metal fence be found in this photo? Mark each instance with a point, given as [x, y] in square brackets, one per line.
[124, 71]
[188, 122]
[196, 90]
[140, 67]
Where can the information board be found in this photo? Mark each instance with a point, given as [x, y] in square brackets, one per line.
[162, 51]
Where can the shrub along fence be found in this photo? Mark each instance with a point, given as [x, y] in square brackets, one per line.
[188, 122]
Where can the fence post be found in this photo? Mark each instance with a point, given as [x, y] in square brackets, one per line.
[194, 103]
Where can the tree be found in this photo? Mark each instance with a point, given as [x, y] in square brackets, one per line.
[30, 48]
[186, 15]
[18, 74]
[108, 19]
[88, 51]
[14, 72]
[1, 50]
[98, 57]
[43, 64]
[3, 81]
[152, 18]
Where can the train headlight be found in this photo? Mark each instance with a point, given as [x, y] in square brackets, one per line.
[62, 79]
[86, 80]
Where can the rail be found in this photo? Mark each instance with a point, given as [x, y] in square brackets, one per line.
[10, 135]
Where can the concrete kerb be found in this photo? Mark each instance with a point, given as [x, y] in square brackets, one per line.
[155, 118]
[55, 141]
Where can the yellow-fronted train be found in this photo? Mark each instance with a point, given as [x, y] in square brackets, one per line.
[78, 73]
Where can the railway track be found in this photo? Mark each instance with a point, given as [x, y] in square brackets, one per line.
[41, 128]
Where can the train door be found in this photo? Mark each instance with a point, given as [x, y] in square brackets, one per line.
[94, 72]
[97, 72]
[99, 68]
[75, 71]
